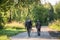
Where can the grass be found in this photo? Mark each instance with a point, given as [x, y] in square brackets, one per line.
[11, 32]
[6, 33]
[55, 25]
[11, 29]
[4, 37]
[14, 25]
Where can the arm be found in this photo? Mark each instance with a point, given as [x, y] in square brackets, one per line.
[25, 24]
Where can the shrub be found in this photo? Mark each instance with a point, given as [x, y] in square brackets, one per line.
[4, 37]
[3, 19]
[14, 25]
[55, 25]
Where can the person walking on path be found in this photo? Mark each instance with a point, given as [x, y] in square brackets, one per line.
[28, 26]
[38, 27]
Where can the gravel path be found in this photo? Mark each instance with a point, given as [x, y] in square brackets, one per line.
[44, 35]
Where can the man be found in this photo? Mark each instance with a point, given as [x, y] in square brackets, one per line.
[28, 26]
[38, 27]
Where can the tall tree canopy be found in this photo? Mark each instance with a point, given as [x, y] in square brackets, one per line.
[57, 10]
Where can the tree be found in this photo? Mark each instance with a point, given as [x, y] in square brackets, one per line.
[50, 12]
[40, 12]
[25, 7]
[57, 10]
[4, 7]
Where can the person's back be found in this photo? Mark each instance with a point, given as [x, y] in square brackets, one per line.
[38, 27]
[38, 24]
[28, 25]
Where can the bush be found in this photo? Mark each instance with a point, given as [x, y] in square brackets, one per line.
[4, 37]
[3, 19]
[55, 25]
[14, 25]
[1, 25]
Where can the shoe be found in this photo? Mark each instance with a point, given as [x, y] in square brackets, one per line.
[38, 34]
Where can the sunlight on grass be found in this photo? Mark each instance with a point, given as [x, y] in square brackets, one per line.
[11, 29]
[9, 32]
[55, 25]
[4, 37]
[15, 25]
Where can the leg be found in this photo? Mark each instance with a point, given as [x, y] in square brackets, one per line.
[28, 31]
[38, 32]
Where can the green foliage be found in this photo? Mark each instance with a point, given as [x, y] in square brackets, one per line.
[11, 32]
[50, 12]
[3, 20]
[39, 12]
[14, 25]
[55, 25]
[21, 9]
[8, 32]
[4, 37]
[57, 10]
[5, 5]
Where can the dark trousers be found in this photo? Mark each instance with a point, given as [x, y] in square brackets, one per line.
[38, 31]
[29, 31]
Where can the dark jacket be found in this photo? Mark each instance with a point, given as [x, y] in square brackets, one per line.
[38, 24]
[28, 24]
